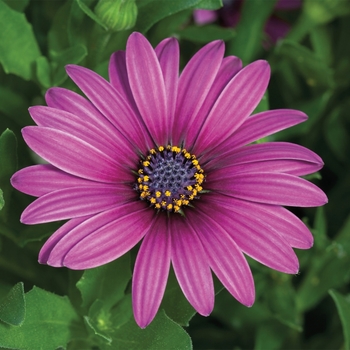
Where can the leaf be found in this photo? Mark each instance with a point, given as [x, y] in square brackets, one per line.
[205, 34]
[343, 305]
[107, 282]
[151, 12]
[72, 55]
[162, 333]
[8, 164]
[270, 335]
[249, 30]
[90, 13]
[209, 4]
[18, 5]
[175, 304]
[13, 306]
[18, 46]
[329, 269]
[313, 69]
[50, 322]
[43, 71]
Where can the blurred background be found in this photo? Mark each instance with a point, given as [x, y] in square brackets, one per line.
[307, 44]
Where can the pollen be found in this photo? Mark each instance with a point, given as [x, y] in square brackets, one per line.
[169, 178]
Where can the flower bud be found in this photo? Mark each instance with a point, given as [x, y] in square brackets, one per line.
[117, 14]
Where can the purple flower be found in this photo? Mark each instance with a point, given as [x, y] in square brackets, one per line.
[229, 16]
[170, 160]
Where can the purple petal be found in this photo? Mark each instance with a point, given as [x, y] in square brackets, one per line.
[112, 105]
[71, 102]
[37, 180]
[73, 155]
[102, 238]
[237, 101]
[75, 202]
[147, 84]
[151, 272]
[256, 238]
[168, 55]
[49, 245]
[204, 16]
[276, 29]
[115, 147]
[191, 266]
[224, 257]
[194, 85]
[280, 157]
[230, 66]
[119, 79]
[269, 188]
[256, 127]
[288, 226]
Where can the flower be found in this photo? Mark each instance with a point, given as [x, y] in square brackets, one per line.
[229, 16]
[170, 160]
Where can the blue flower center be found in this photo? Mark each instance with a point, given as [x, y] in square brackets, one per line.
[169, 178]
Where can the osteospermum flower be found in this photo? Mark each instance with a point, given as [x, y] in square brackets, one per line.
[170, 160]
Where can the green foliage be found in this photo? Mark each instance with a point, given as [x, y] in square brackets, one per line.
[18, 46]
[13, 306]
[44, 311]
[343, 305]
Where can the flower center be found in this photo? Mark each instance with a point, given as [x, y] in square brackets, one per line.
[169, 178]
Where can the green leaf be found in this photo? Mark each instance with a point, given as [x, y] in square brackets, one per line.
[17, 5]
[72, 55]
[343, 305]
[18, 46]
[150, 11]
[162, 333]
[43, 71]
[13, 306]
[329, 269]
[249, 30]
[107, 282]
[281, 301]
[209, 5]
[50, 322]
[90, 13]
[175, 304]
[205, 34]
[8, 163]
[270, 335]
[310, 66]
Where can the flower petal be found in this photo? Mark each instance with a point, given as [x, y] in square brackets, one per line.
[168, 55]
[37, 180]
[288, 226]
[224, 257]
[191, 266]
[151, 272]
[74, 202]
[116, 147]
[230, 66]
[256, 127]
[236, 102]
[147, 85]
[118, 77]
[269, 188]
[72, 102]
[256, 238]
[73, 155]
[280, 157]
[112, 105]
[102, 238]
[194, 85]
